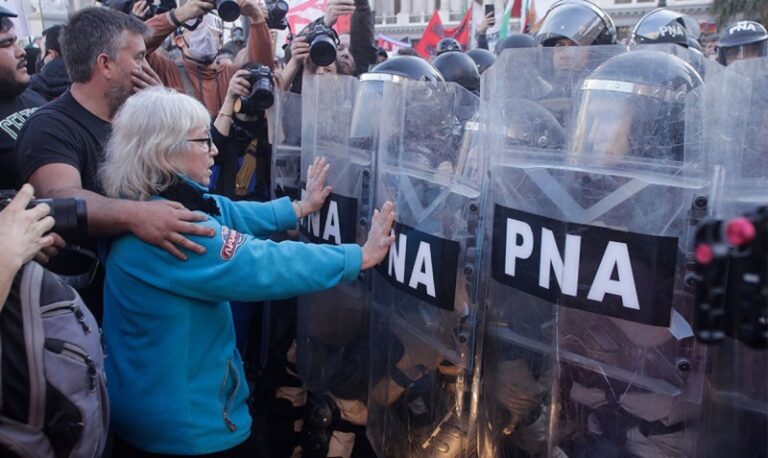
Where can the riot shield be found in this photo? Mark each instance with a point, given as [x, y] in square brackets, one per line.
[285, 133]
[424, 313]
[731, 301]
[589, 349]
[332, 325]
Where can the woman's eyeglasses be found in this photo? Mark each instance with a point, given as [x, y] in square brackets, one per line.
[207, 140]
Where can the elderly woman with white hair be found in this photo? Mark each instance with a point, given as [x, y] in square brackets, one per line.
[176, 380]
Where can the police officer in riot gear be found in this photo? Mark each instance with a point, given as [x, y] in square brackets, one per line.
[446, 45]
[742, 40]
[333, 352]
[569, 27]
[482, 57]
[514, 40]
[459, 68]
[576, 23]
[632, 108]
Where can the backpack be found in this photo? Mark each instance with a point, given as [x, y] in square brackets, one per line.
[53, 397]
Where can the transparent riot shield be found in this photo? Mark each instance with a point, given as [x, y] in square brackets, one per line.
[731, 302]
[589, 348]
[424, 314]
[285, 131]
[332, 329]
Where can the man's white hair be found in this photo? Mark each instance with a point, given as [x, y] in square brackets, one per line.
[149, 138]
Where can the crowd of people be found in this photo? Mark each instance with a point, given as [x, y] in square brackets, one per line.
[154, 123]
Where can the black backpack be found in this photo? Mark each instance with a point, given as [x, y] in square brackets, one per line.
[53, 397]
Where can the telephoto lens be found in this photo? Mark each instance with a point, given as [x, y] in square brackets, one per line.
[229, 10]
[70, 214]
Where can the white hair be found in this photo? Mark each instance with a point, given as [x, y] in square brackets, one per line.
[149, 132]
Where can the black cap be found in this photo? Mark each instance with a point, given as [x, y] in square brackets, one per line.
[5, 12]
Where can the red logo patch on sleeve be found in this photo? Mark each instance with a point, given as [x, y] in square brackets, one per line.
[232, 241]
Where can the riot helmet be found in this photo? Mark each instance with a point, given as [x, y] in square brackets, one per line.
[447, 44]
[368, 101]
[529, 125]
[515, 40]
[457, 67]
[634, 105]
[409, 67]
[742, 40]
[579, 21]
[482, 57]
[665, 26]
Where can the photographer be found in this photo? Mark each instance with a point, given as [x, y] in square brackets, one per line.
[197, 74]
[243, 132]
[22, 236]
[356, 52]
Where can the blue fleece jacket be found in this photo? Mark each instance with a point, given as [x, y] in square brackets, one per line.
[176, 380]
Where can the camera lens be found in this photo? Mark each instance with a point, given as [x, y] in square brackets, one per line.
[322, 50]
[263, 94]
[278, 10]
[229, 10]
[70, 215]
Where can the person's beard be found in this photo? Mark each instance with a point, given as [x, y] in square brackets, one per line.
[10, 86]
[116, 96]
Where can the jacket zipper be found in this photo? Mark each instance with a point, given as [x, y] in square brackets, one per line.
[225, 410]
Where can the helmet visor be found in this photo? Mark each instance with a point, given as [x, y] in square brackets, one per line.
[577, 23]
[603, 125]
[753, 50]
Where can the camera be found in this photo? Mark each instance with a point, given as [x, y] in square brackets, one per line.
[322, 43]
[127, 5]
[262, 94]
[70, 214]
[276, 17]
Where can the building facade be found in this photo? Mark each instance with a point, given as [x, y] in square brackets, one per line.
[406, 19]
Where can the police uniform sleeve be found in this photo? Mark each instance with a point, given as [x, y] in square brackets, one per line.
[237, 266]
[258, 218]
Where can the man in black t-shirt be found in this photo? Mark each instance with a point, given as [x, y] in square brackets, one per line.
[17, 103]
[61, 146]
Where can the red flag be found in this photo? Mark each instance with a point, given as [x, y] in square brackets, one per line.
[431, 37]
[461, 31]
[436, 32]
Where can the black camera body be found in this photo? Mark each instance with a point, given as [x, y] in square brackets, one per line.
[154, 8]
[70, 214]
[323, 41]
[731, 274]
[262, 94]
[277, 12]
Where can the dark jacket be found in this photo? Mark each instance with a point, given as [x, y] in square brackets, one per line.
[361, 37]
[52, 81]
